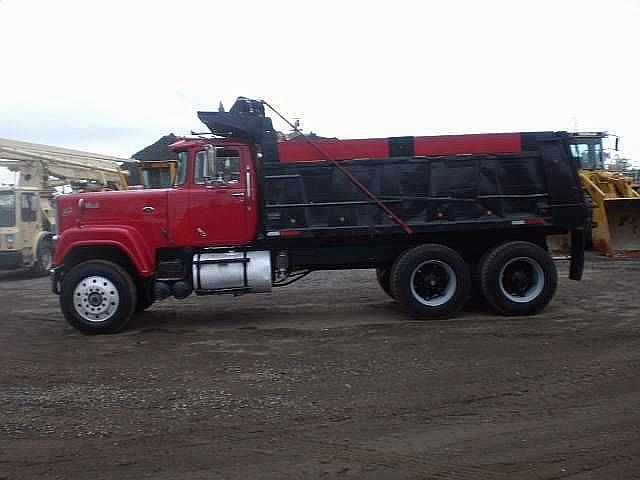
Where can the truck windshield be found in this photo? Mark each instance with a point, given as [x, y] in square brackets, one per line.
[588, 151]
[7, 209]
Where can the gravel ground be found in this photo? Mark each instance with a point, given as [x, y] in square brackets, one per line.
[326, 379]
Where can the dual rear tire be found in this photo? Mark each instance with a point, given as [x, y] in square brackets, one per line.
[383, 276]
[430, 281]
[434, 281]
[518, 278]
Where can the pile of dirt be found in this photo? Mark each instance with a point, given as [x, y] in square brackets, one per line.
[158, 150]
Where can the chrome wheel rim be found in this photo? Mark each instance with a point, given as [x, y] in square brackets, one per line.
[433, 283]
[521, 279]
[96, 299]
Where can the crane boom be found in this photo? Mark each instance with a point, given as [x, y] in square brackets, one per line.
[88, 159]
[40, 163]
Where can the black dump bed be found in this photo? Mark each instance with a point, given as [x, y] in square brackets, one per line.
[536, 187]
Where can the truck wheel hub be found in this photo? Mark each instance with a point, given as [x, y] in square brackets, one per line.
[433, 283]
[521, 279]
[96, 299]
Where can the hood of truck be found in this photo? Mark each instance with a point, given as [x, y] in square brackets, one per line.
[136, 222]
[132, 207]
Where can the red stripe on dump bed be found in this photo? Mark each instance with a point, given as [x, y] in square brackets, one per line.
[301, 151]
[475, 143]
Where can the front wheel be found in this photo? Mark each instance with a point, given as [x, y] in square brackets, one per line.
[430, 281]
[97, 297]
[518, 278]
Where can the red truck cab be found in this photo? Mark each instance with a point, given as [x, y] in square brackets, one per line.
[214, 202]
[207, 207]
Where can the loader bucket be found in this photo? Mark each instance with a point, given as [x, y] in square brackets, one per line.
[617, 232]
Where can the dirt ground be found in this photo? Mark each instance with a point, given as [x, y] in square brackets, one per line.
[326, 379]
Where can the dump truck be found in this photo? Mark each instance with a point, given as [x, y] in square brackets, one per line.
[27, 206]
[434, 216]
[615, 229]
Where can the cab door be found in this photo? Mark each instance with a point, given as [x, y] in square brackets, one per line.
[220, 203]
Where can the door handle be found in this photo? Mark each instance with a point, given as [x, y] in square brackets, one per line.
[148, 209]
[237, 194]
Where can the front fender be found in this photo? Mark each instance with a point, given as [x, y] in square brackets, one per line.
[127, 239]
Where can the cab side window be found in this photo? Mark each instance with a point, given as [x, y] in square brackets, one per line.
[28, 207]
[228, 167]
[225, 170]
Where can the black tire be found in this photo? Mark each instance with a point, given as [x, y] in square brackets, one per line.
[44, 259]
[383, 276]
[430, 281]
[100, 289]
[145, 296]
[518, 278]
[476, 298]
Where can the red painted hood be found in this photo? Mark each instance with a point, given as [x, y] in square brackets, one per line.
[99, 216]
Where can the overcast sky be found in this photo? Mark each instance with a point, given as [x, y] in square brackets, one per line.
[113, 76]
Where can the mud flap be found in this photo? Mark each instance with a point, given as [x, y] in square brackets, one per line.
[576, 266]
[618, 227]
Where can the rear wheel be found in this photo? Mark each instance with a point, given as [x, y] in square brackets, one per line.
[97, 297]
[383, 275]
[430, 281]
[518, 278]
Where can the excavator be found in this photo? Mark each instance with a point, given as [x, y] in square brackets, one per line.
[27, 204]
[615, 226]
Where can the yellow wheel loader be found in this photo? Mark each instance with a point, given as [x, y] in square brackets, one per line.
[615, 229]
